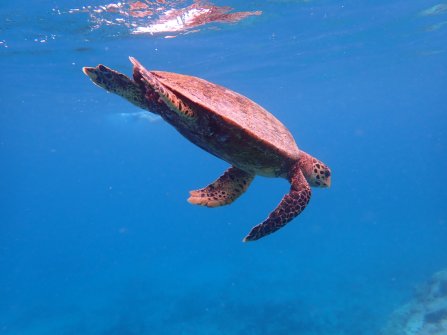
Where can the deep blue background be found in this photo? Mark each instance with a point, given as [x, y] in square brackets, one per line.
[96, 236]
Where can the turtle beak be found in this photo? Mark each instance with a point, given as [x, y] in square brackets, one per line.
[90, 72]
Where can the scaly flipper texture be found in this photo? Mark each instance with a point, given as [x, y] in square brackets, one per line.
[224, 190]
[290, 206]
[175, 103]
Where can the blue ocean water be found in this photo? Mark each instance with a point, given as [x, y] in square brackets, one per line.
[95, 234]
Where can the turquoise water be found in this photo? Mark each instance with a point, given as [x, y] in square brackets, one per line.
[96, 236]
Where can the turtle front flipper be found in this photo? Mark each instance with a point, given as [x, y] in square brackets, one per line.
[224, 190]
[290, 206]
[154, 85]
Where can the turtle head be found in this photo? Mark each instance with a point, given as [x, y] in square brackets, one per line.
[118, 83]
[107, 78]
[316, 172]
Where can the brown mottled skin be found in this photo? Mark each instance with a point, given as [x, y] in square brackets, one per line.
[229, 126]
[224, 190]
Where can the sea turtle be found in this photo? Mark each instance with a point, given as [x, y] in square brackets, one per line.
[229, 126]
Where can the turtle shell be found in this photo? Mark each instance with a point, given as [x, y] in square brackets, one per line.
[233, 108]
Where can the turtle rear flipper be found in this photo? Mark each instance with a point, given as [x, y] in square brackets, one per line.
[224, 190]
[290, 206]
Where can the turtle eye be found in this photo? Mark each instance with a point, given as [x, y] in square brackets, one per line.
[102, 68]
